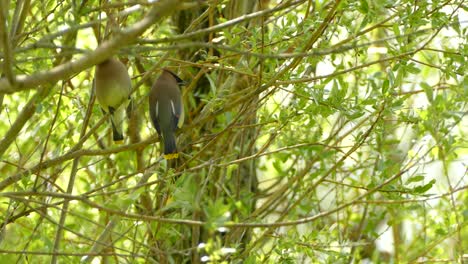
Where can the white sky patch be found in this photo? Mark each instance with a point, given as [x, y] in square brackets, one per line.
[50, 17]
[201, 245]
[131, 9]
[86, 40]
[384, 242]
[228, 250]
[325, 67]
[223, 229]
[103, 15]
[377, 50]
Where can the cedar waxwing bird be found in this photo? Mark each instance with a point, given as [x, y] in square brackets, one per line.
[113, 88]
[166, 110]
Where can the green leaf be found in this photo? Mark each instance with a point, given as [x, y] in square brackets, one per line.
[424, 188]
[417, 178]
[396, 30]
[354, 114]
[411, 68]
[364, 7]
[391, 78]
[441, 231]
[428, 89]
[385, 85]
[277, 166]
[465, 85]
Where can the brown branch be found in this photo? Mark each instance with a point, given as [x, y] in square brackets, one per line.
[21, 11]
[6, 45]
[160, 10]
[227, 24]
[71, 155]
[71, 181]
[338, 48]
[70, 254]
[357, 200]
[26, 113]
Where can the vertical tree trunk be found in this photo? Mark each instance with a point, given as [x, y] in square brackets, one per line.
[241, 182]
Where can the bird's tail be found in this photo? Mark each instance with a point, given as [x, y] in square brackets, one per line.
[117, 133]
[170, 148]
[117, 118]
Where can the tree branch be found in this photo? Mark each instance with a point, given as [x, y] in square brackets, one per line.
[24, 82]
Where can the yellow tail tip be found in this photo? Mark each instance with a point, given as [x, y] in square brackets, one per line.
[171, 156]
[119, 142]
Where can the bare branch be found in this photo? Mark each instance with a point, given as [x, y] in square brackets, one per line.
[23, 82]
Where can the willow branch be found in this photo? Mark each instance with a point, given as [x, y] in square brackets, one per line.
[6, 46]
[160, 10]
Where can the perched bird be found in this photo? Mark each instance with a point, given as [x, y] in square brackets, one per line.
[166, 110]
[113, 88]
